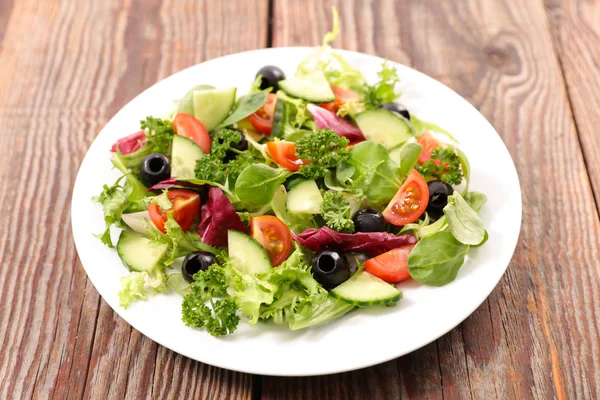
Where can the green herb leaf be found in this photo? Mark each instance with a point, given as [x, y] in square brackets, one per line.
[322, 150]
[466, 169]
[375, 174]
[159, 133]
[436, 259]
[465, 225]
[177, 282]
[245, 106]
[444, 165]
[139, 285]
[476, 200]
[420, 126]
[255, 87]
[336, 212]
[257, 183]
[222, 318]
[409, 154]
[383, 91]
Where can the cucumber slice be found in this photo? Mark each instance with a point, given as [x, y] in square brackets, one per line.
[279, 118]
[186, 104]
[134, 221]
[304, 198]
[183, 157]
[246, 254]
[364, 289]
[383, 126]
[212, 106]
[313, 87]
[138, 252]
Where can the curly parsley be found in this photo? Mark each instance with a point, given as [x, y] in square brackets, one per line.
[444, 165]
[225, 162]
[321, 150]
[336, 212]
[219, 319]
[159, 133]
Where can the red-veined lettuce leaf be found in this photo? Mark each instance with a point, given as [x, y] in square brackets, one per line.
[373, 243]
[328, 119]
[217, 217]
[130, 144]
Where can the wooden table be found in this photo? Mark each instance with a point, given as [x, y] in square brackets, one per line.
[532, 68]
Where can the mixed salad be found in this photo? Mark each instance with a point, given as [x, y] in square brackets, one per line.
[308, 197]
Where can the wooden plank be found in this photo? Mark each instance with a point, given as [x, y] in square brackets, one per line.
[82, 61]
[576, 29]
[537, 334]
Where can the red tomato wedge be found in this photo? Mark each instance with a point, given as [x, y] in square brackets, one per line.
[190, 127]
[284, 154]
[392, 266]
[409, 202]
[342, 96]
[262, 120]
[429, 144]
[186, 207]
[273, 235]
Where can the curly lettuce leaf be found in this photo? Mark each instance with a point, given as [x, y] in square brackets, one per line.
[337, 70]
[140, 285]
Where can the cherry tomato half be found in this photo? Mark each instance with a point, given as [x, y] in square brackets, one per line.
[190, 127]
[284, 154]
[342, 96]
[409, 202]
[392, 266]
[262, 120]
[273, 235]
[429, 144]
[186, 207]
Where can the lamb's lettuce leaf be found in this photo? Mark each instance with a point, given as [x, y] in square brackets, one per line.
[374, 173]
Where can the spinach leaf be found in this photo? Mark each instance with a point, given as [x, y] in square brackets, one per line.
[244, 107]
[436, 259]
[475, 200]
[257, 183]
[375, 174]
[464, 223]
[409, 154]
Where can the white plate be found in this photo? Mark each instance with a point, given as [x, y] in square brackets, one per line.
[362, 338]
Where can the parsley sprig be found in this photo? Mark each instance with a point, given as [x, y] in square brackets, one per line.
[321, 150]
[444, 165]
[210, 287]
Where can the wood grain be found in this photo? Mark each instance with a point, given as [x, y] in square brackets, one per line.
[537, 334]
[576, 28]
[65, 68]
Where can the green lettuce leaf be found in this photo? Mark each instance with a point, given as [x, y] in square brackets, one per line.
[140, 285]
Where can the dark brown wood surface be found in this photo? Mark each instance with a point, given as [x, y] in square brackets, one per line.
[532, 68]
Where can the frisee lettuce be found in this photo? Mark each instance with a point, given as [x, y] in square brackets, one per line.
[139, 285]
[287, 294]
